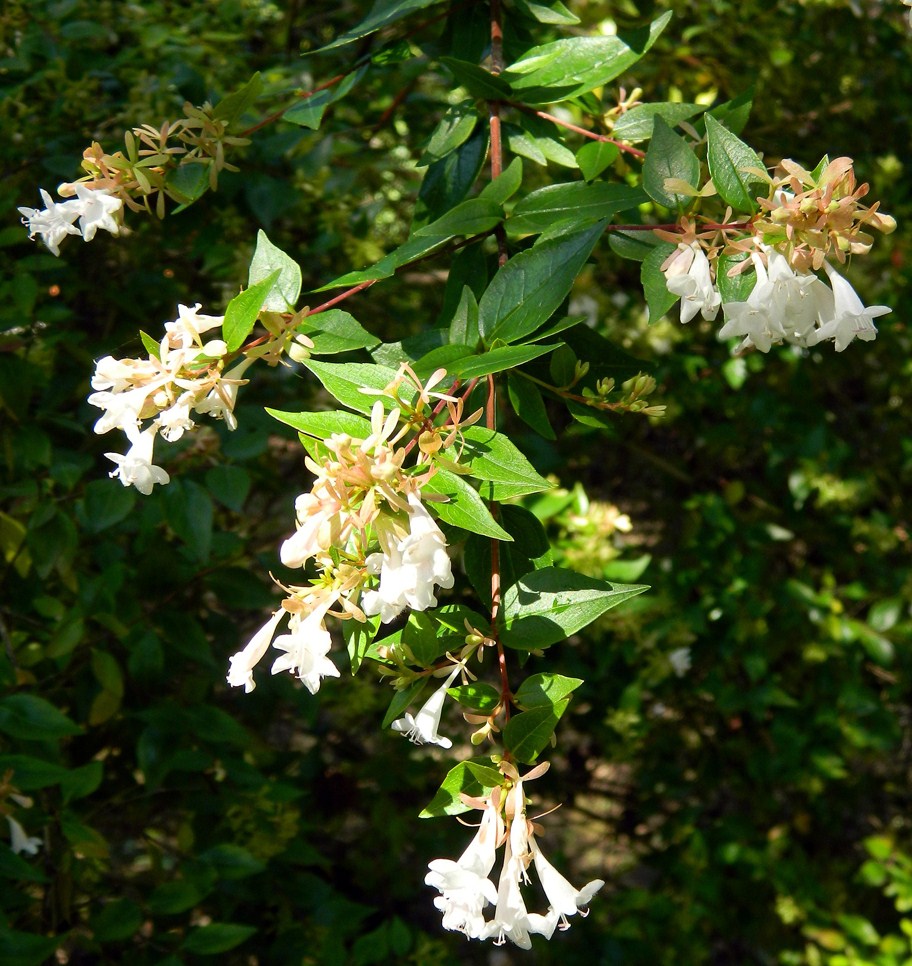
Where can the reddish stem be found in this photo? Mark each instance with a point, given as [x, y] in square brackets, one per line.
[340, 298]
[636, 152]
[303, 96]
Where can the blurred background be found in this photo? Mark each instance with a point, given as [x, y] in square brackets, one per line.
[737, 764]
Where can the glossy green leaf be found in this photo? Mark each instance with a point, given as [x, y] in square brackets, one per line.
[494, 458]
[593, 158]
[527, 734]
[336, 331]
[729, 162]
[575, 65]
[34, 719]
[477, 695]
[505, 185]
[243, 310]
[497, 360]
[544, 690]
[669, 156]
[577, 203]
[529, 288]
[526, 400]
[476, 80]
[453, 129]
[734, 288]
[637, 123]
[345, 381]
[268, 259]
[382, 14]
[447, 182]
[553, 12]
[475, 777]
[323, 425]
[464, 324]
[465, 508]
[658, 299]
[551, 604]
[233, 105]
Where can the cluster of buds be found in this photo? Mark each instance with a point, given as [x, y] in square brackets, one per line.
[465, 889]
[632, 398]
[820, 217]
[183, 374]
[365, 526]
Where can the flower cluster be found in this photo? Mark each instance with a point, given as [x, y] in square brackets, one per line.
[466, 891]
[183, 375]
[377, 549]
[808, 218]
[93, 208]
[784, 305]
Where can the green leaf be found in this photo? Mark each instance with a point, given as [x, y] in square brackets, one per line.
[429, 634]
[658, 298]
[231, 861]
[729, 158]
[229, 485]
[344, 381]
[494, 458]
[309, 111]
[734, 114]
[553, 12]
[447, 182]
[243, 310]
[482, 697]
[187, 183]
[464, 324]
[268, 259]
[190, 514]
[382, 14]
[475, 777]
[551, 604]
[150, 345]
[669, 156]
[526, 400]
[738, 287]
[454, 129]
[13, 866]
[26, 948]
[637, 123]
[323, 425]
[465, 508]
[401, 700]
[105, 505]
[117, 921]
[476, 80]
[217, 937]
[233, 105]
[336, 331]
[577, 203]
[505, 185]
[594, 157]
[358, 638]
[527, 734]
[171, 898]
[544, 690]
[30, 717]
[529, 288]
[31, 773]
[635, 245]
[575, 65]
[496, 360]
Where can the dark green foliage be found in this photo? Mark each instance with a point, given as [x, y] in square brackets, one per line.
[754, 804]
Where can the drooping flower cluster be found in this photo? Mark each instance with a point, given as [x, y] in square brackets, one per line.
[182, 376]
[466, 891]
[808, 218]
[376, 547]
[93, 208]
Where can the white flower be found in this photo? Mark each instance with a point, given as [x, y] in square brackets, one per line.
[136, 468]
[687, 274]
[409, 568]
[464, 886]
[756, 319]
[19, 841]
[185, 330]
[97, 208]
[242, 664]
[315, 512]
[422, 728]
[798, 298]
[563, 898]
[306, 647]
[220, 402]
[680, 661]
[54, 222]
[850, 319]
[175, 420]
[122, 409]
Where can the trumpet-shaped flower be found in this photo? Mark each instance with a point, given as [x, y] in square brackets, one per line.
[306, 646]
[242, 664]
[422, 728]
[20, 841]
[687, 275]
[564, 899]
[54, 222]
[849, 318]
[97, 207]
[409, 568]
[136, 468]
